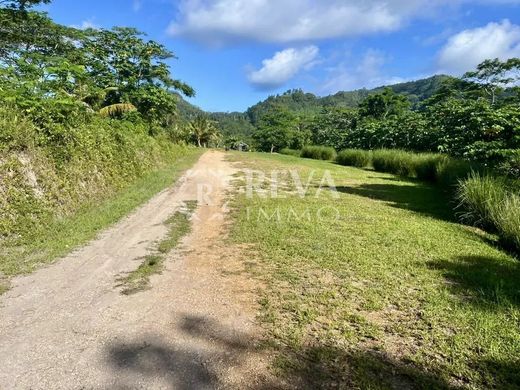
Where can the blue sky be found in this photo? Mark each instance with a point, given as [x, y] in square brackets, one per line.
[237, 52]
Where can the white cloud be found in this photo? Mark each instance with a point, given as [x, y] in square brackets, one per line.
[218, 22]
[283, 66]
[86, 24]
[465, 50]
[367, 73]
[224, 21]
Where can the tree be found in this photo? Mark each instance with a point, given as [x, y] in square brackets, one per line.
[104, 71]
[22, 5]
[333, 126]
[203, 130]
[493, 76]
[384, 104]
[276, 129]
[134, 70]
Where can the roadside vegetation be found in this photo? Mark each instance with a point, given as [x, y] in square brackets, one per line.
[179, 225]
[89, 129]
[392, 294]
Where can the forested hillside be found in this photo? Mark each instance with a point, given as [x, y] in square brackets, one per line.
[303, 103]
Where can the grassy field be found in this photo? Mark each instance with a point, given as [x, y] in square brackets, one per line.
[64, 235]
[377, 286]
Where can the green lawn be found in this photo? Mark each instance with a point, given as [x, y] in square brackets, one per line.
[392, 294]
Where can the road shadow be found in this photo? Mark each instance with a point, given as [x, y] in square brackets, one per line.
[206, 351]
[484, 281]
[151, 361]
[418, 197]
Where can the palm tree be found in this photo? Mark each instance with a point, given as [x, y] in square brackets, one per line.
[203, 130]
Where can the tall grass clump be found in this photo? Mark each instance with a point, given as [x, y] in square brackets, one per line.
[480, 196]
[398, 162]
[426, 165]
[319, 152]
[291, 152]
[492, 203]
[354, 158]
[451, 171]
[506, 218]
[433, 167]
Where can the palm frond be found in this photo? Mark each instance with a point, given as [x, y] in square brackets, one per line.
[117, 109]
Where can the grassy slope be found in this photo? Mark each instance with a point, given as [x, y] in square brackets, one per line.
[64, 235]
[394, 294]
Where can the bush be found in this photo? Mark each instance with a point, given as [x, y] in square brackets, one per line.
[54, 171]
[354, 158]
[291, 152]
[318, 152]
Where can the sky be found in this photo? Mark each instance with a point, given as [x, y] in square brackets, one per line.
[238, 52]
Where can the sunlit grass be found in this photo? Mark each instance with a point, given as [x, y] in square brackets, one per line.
[392, 294]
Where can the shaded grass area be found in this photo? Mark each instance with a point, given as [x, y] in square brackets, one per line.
[179, 225]
[64, 235]
[389, 292]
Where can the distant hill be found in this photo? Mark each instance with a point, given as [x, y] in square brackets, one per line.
[241, 125]
[308, 103]
[187, 111]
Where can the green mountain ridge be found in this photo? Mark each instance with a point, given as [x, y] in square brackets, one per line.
[241, 124]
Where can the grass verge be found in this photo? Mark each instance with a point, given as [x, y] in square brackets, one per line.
[179, 225]
[62, 236]
[389, 293]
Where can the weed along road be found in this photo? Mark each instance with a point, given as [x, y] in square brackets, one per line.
[69, 326]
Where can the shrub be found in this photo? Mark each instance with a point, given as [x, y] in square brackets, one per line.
[54, 171]
[319, 152]
[354, 158]
[291, 152]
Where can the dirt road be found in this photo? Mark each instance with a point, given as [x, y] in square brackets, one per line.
[67, 326]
